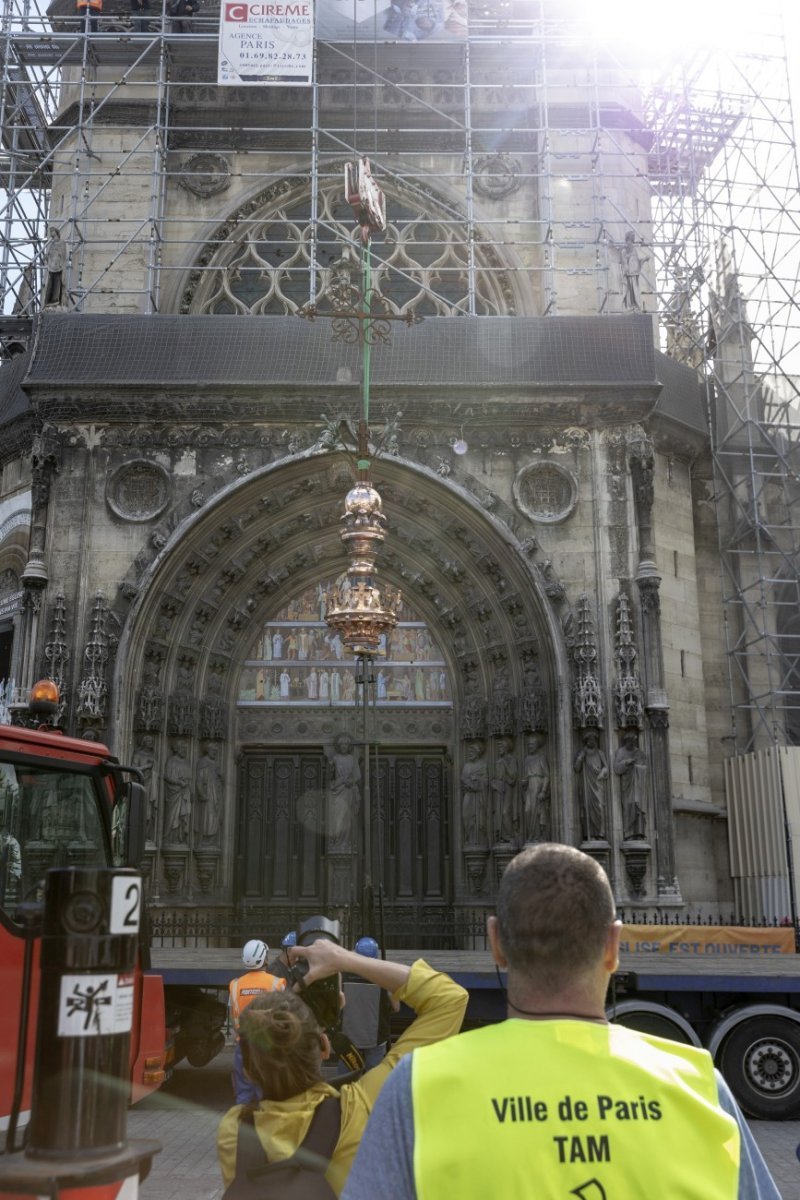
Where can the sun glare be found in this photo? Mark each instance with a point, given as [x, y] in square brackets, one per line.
[682, 26]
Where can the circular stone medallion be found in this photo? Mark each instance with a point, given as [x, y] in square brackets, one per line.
[545, 491]
[205, 174]
[138, 490]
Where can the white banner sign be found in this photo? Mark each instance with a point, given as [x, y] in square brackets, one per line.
[408, 21]
[265, 43]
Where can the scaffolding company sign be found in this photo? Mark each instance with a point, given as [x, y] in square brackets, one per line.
[265, 43]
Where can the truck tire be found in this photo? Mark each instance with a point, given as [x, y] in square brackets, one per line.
[200, 1053]
[760, 1060]
[656, 1019]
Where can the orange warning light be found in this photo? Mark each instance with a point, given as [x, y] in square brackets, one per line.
[44, 696]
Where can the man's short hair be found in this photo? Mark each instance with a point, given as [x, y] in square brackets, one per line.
[554, 910]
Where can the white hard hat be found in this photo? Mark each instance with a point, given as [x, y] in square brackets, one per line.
[255, 953]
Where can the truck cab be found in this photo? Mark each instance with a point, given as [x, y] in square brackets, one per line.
[64, 802]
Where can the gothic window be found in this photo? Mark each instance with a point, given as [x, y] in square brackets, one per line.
[259, 262]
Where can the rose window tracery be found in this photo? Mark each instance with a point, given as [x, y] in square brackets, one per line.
[260, 262]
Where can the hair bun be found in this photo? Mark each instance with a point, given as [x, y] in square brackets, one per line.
[282, 1028]
[280, 1044]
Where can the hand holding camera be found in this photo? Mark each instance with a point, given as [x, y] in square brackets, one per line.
[317, 961]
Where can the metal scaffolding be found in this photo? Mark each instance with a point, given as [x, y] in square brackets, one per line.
[528, 161]
[725, 175]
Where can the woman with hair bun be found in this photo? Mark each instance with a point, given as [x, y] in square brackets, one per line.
[284, 1049]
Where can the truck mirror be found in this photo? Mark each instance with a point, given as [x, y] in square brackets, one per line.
[127, 825]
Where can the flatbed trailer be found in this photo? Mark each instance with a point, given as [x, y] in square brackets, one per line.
[744, 1008]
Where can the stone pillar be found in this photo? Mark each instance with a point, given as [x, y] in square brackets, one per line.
[44, 464]
[642, 462]
[23, 669]
[341, 869]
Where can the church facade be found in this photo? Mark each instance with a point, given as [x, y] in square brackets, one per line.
[174, 479]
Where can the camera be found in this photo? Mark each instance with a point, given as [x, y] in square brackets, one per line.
[322, 996]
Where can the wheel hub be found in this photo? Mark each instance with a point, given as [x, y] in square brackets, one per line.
[771, 1065]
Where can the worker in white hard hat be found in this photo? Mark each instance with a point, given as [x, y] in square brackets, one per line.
[242, 991]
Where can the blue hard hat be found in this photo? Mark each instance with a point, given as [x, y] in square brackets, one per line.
[289, 939]
[368, 947]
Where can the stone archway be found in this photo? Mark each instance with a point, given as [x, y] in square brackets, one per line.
[234, 564]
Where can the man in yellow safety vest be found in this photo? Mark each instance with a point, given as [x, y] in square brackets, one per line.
[241, 992]
[555, 1102]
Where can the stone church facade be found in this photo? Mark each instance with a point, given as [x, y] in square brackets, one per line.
[173, 485]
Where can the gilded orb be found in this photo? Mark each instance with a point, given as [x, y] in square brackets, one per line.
[362, 500]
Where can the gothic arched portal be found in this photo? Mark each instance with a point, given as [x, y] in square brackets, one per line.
[229, 570]
[304, 703]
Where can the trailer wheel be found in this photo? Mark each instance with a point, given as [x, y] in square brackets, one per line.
[200, 1053]
[657, 1019]
[760, 1060]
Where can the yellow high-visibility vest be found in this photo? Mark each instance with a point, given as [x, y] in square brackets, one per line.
[556, 1109]
[243, 991]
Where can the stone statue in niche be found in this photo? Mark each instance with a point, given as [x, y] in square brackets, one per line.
[475, 794]
[209, 790]
[504, 787]
[536, 805]
[343, 794]
[592, 769]
[631, 263]
[630, 764]
[55, 261]
[177, 795]
[144, 757]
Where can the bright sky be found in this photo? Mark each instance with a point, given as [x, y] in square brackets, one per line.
[649, 36]
[659, 31]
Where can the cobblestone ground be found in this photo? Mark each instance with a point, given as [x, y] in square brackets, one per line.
[184, 1116]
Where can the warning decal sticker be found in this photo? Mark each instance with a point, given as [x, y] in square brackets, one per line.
[93, 1005]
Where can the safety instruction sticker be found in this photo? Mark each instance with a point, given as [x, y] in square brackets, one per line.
[93, 1005]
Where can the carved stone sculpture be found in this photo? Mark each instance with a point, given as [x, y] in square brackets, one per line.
[55, 261]
[592, 769]
[474, 795]
[144, 758]
[536, 804]
[504, 788]
[630, 764]
[631, 263]
[177, 795]
[343, 790]
[209, 795]
[502, 706]
[587, 697]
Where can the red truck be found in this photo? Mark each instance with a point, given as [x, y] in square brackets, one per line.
[68, 802]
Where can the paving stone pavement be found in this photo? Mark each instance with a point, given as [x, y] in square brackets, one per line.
[779, 1142]
[184, 1116]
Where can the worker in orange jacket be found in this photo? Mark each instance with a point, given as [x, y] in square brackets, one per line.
[91, 10]
[242, 991]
